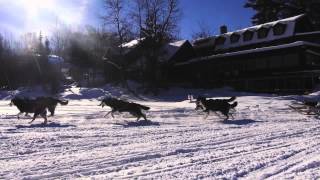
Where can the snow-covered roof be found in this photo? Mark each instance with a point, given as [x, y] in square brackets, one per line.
[170, 49]
[128, 46]
[132, 44]
[289, 31]
[283, 46]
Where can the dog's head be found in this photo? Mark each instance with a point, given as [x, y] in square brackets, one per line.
[11, 103]
[15, 101]
[106, 101]
[199, 104]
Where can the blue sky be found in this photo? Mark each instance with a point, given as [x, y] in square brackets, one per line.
[214, 13]
[20, 16]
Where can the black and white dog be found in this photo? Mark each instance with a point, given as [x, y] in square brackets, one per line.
[220, 105]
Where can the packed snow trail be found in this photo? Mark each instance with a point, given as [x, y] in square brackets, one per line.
[266, 139]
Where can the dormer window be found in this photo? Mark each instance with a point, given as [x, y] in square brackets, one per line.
[248, 35]
[279, 29]
[220, 40]
[263, 32]
[234, 38]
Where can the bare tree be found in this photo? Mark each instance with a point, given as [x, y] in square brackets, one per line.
[117, 18]
[157, 19]
[203, 31]
[157, 24]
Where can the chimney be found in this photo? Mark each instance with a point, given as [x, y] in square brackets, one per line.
[223, 29]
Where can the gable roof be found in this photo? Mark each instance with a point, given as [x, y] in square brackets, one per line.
[170, 49]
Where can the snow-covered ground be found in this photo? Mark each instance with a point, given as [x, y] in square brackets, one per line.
[266, 139]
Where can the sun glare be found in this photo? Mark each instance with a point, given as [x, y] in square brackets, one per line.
[34, 7]
[44, 15]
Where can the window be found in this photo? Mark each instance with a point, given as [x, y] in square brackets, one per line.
[279, 29]
[291, 60]
[251, 65]
[275, 61]
[220, 40]
[312, 59]
[263, 32]
[234, 38]
[248, 35]
[262, 63]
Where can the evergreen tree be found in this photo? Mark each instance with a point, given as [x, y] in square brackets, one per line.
[266, 10]
[47, 47]
[309, 7]
[271, 10]
[40, 49]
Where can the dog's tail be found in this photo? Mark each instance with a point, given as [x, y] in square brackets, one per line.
[232, 99]
[62, 102]
[234, 104]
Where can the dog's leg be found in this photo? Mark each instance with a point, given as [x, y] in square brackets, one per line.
[112, 113]
[107, 114]
[19, 114]
[34, 117]
[227, 117]
[44, 116]
[208, 113]
[144, 116]
[52, 109]
[232, 116]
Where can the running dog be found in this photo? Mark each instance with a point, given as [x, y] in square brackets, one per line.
[118, 105]
[221, 105]
[200, 106]
[37, 106]
[30, 106]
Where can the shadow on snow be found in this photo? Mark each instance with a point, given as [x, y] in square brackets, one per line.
[49, 125]
[128, 124]
[240, 122]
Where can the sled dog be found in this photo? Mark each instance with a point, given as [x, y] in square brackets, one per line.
[37, 106]
[30, 106]
[118, 105]
[220, 105]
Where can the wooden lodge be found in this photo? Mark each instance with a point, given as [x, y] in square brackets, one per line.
[280, 56]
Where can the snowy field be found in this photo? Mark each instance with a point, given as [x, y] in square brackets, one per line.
[266, 139]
